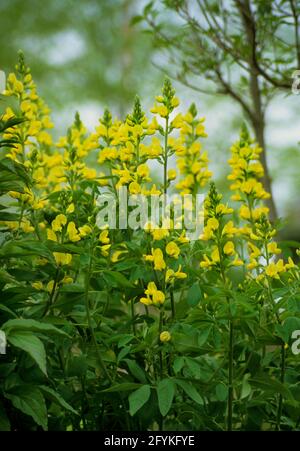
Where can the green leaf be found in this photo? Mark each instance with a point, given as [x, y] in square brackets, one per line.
[136, 370]
[221, 392]
[31, 325]
[117, 279]
[285, 330]
[30, 401]
[31, 344]
[57, 398]
[190, 390]
[194, 295]
[138, 398]
[165, 394]
[126, 386]
[178, 364]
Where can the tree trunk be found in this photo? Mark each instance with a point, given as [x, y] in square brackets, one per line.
[257, 118]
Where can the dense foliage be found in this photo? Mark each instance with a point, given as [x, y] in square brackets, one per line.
[141, 329]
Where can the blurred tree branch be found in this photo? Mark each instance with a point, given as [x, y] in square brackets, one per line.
[242, 47]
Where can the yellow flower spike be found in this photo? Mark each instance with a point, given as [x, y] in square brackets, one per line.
[62, 259]
[172, 249]
[165, 336]
[229, 249]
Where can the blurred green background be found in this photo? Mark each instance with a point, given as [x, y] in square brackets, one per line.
[86, 55]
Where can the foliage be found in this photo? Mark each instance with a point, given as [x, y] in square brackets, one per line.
[122, 329]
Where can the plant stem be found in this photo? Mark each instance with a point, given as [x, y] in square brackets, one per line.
[132, 316]
[166, 156]
[230, 378]
[172, 303]
[282, 376]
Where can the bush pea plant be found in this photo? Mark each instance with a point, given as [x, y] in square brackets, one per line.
[122, 329]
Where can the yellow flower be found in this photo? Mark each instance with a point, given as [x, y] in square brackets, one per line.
[212, 223]
[84, 230]
[274, 269]
[229, 229]
[70, 208]
[165, 336]
[159, 234]
[51, 235]
[26, 226]
[50, 286]
[172, 174]
[104, 249]
[273, 249]
[143, 171]
[37, 285]
[103, 237]
[67, 279]
[245, 212]
[172, 249]
[154, 296]
[116, 256]
[290, 264]
[134, 188]
[72, 232]
[62, 259]
[58, 222]
[215, 255]
[171, 275]
[158, 258]
[229, 248]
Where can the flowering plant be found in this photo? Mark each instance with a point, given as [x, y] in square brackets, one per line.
[139, 328]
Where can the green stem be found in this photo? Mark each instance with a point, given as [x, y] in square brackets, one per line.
[166, 156]
[132, 316]
[230, 378]
[172, 303]
[282, 377]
